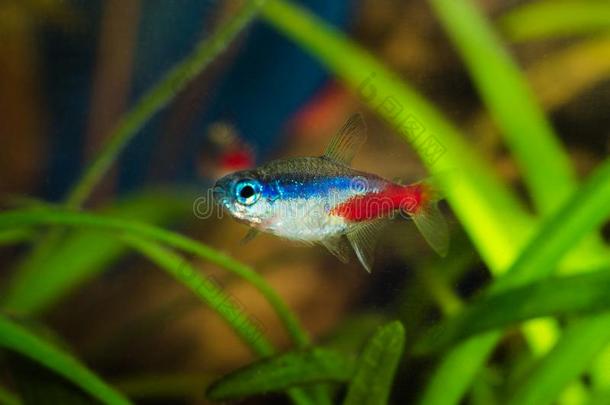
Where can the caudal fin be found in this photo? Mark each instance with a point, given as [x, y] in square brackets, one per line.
[431, 223]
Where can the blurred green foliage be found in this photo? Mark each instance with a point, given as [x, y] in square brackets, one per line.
[522, 250]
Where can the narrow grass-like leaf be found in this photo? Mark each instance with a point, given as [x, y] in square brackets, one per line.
[544, 164]
[158, 97]
[16, 338]
[579, 345]
[79, 256]
[588, 208]
[284, 371]
[562, 76]
[208, 291]
[572, 295]
[120, 226]
[556, 19]
[15, 236]
[376, 367]
[490, 214]
[124, 226]
[212, 295]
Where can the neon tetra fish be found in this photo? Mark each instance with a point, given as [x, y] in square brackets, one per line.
[323, 200]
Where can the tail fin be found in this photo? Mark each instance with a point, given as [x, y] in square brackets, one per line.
[430, 221]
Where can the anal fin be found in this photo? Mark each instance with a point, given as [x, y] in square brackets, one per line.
[337, 246]
[363, 239]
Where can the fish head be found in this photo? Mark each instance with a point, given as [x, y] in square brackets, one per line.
[242, 195]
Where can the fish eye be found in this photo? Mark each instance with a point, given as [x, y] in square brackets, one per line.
[247, 192]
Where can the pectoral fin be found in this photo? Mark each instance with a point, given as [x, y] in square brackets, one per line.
[364, 238]
[249, 236]
[346, 143]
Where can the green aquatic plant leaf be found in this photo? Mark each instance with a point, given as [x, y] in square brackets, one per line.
[171, 385]
[205, 289]
[549, 19]
[114, 226]
[274, 374]
[121, 226]
[16, 236]
[376, 367]
[579, 345]
[8, 398]
[544, 164]
[16, 338]
[600, 397]
[80, 256]
[494, 219]
[141, 235]
[571, 295]
[585, 211]
[491, 214]
[246, 327]
[563, 75]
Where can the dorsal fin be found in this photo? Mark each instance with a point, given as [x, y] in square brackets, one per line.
[346, 143]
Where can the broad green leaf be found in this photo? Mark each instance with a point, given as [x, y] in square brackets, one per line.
[600, 398]
[376, 367]
[556, 19]
[588, 208]
[82, 255]
[18, 339]
[284, 371]
[544, 164]
[571, 295]
[600, 378]
[350, 335]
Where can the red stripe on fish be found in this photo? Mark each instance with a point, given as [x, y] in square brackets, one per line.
[382, 204]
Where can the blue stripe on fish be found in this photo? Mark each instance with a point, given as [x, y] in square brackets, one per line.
[290, 187]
